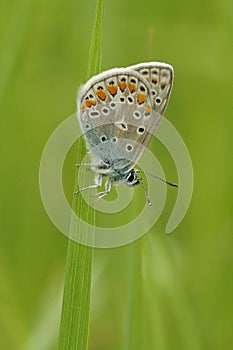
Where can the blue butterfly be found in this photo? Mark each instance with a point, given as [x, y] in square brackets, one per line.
[118, 111]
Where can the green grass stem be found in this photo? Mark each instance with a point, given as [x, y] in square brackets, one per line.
[77, 290]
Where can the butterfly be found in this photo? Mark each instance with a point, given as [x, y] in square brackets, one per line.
[118, 111]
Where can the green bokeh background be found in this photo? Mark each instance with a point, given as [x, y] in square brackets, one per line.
[44, 53]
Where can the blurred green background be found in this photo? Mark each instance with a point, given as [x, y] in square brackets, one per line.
[44, 53]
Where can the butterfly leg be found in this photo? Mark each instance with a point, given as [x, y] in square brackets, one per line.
[98, 182]
[108, 187]
[84, 164]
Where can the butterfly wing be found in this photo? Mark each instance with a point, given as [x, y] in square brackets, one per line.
[118, 112]
[160, 77]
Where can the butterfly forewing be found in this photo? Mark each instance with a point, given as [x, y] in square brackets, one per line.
[160, 77]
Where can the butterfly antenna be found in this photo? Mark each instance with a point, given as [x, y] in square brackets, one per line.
[158, 178]
[145, 193]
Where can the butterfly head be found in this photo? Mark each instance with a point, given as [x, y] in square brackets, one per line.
[132, 178]
[123, 174]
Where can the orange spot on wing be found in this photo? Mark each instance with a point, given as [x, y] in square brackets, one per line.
[83, 108]
[122, 85]
[154, 80]
[163, 84]
[141, 98]
[148, 110]
[112, 89]
[132, 87]
[93, 102]
[101, 94]
[90, 103]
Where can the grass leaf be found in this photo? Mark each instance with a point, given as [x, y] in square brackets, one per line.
[76, 300]
[134, 320]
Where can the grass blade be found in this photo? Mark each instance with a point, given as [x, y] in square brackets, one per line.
[134, 321]
[76, 299]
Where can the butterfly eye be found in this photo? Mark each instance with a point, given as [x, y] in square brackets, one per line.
[131, 177]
